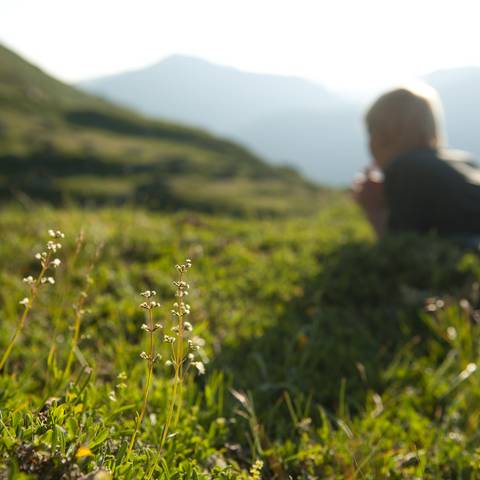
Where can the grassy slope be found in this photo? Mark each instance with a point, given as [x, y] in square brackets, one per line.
[57, 143]
[348, 377]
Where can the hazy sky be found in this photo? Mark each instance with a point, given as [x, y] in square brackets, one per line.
[345, 44]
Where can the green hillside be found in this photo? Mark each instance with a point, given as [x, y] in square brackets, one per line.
[322, 359]
[61, 145]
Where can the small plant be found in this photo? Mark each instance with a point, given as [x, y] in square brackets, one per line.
[151, 357]
[183, 348]
[47, 263]
[183, 351]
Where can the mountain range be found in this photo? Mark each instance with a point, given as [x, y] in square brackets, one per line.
[284, 119]
[287, 120]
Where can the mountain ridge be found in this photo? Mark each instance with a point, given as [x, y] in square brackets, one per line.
[231, 102]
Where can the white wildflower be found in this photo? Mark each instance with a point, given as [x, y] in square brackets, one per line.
[148, 293]
[55, 262]
[200, 367]
[24, 301]
[29, 280]
[469, 369]
[56, 233]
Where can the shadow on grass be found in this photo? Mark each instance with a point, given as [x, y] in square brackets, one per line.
[335, 341]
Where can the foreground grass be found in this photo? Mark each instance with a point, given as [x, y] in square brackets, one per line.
[321, 359]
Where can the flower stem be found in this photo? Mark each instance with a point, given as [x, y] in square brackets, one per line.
[180, 359]
[176, 395]
[168, 421]
[23, 318]
[146, 392]
[19, 328]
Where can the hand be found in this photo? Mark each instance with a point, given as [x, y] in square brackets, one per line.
[368, 191]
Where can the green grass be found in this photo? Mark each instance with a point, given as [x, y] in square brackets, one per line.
[321, 359]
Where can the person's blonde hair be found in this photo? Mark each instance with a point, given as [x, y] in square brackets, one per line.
[410, 116]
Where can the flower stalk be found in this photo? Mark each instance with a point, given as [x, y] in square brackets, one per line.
[151, 357]
[47, 262]
[182, 355]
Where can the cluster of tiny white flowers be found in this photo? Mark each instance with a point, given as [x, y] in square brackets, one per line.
[434, 304]
[49, 280]
[153, 328]
[46, 261]
[53, 246]
[150, 327]
[122, 378]
[152, 303]
[153, 358]
[199, 366]
[193, 346]
[148, 293]
[184, 267]
[180, 308]
[55, 263]
[44, 257]
[56, 233]
[179, 311]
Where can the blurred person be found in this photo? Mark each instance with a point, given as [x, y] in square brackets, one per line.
[415, 184]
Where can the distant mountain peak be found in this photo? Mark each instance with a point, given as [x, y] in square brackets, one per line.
[191, 62]
[231, 102]
[184, 58]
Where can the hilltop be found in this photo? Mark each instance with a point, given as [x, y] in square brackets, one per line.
[59, 144]
[198, 92]
[283, 118]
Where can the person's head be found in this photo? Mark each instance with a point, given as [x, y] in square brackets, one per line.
[402, 120]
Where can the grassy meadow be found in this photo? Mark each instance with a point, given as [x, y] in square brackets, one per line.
[304, 350]
[326, 355]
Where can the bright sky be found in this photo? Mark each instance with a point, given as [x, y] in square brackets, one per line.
[344, 44]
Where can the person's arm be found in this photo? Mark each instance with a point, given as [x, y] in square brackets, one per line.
[368, 191]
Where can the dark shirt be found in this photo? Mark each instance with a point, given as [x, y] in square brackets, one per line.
[433, 190]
